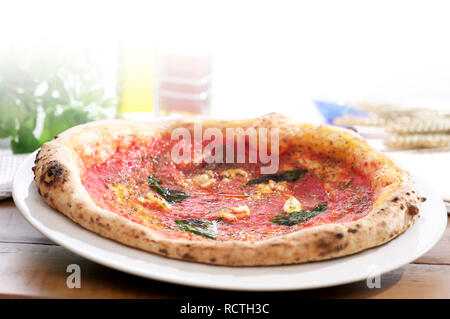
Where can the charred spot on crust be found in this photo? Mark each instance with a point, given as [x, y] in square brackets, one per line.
[324, 244]
[340, 235]
[402, 207]
[37, 156]
[213, 260]
[422, 199]
[395, 199]
[188, 256]
[163, 251]
[413, 210]
[327, 247]
[382, 224]
[352, 230]
[54, 172]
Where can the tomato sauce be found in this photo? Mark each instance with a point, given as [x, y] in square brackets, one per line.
[348, 194]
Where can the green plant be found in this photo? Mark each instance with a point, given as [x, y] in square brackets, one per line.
[45, 93]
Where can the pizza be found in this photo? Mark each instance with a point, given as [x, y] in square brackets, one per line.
[328, 193]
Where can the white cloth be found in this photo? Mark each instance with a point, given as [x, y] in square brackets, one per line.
[433, 166]
[9, 163]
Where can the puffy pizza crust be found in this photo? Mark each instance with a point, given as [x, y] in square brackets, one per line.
[60, 165]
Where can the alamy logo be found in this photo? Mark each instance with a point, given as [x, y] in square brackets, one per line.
[262, 143]
[373, 277]
[74, 279]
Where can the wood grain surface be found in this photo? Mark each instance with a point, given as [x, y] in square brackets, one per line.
[31, 266]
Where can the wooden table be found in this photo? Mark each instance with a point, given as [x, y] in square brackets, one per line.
[32, 266]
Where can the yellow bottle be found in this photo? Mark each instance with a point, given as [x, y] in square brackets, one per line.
[136, 82]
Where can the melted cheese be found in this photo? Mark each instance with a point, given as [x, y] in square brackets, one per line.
[268, 188]
[227, 215]
[124, 196]
[204, 180]
[292, 205]
[241, 211]
[151, 198]
[235, 213]
[230, 173]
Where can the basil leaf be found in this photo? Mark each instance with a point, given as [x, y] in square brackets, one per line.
[202, 227]
[288, 176]
[175, 196]
[297, 217]
[172, 196]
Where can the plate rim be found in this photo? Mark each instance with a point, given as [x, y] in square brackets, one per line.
[186, 281]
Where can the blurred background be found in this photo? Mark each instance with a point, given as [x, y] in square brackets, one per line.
[379, 67]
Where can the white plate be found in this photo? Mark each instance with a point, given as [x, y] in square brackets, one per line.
[409, 246]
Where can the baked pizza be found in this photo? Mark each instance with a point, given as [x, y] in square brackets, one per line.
[191, 190]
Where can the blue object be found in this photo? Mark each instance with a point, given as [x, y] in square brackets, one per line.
[331, 110]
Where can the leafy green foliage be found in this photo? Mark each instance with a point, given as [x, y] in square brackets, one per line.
[62, 90]
[294, 218]
[24, 140]
[288, 176]
[172, 196]
[202, 227]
